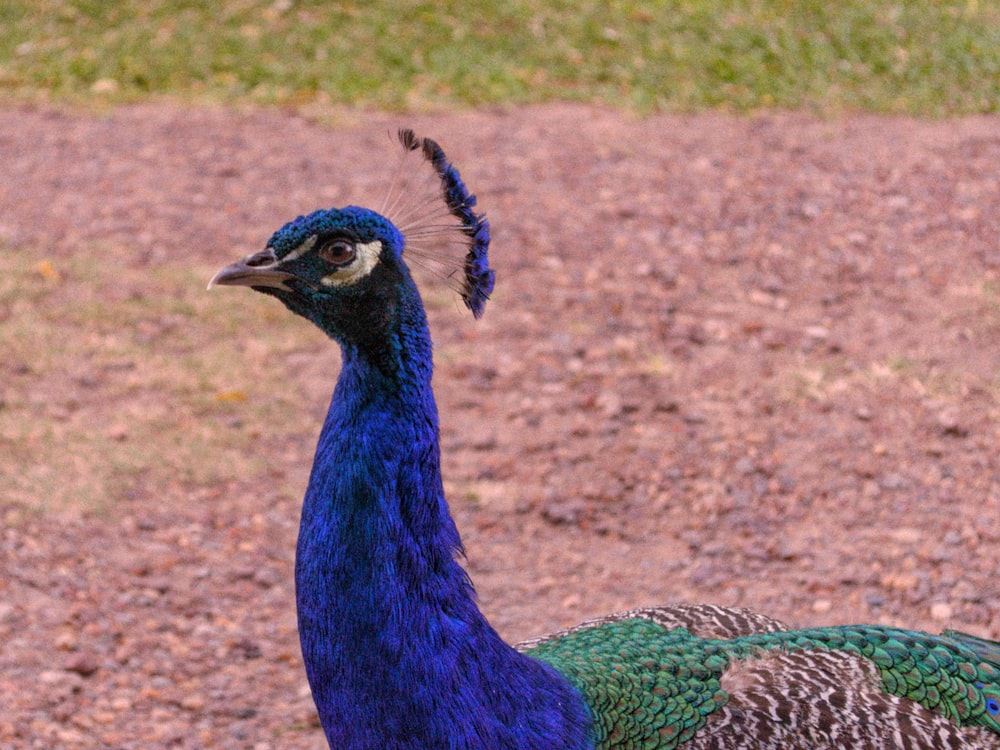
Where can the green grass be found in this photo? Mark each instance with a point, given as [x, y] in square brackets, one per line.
[935, 57]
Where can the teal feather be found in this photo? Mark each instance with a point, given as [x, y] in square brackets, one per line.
[649, 686]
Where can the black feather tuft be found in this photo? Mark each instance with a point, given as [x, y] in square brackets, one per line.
[409, 139]
[479, 277]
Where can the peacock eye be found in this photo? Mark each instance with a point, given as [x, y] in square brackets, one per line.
[337, 252]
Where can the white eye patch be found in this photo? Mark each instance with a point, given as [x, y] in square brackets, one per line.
[301, 250]
[361, 266]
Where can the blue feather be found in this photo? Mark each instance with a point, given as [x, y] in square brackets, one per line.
[479, 277]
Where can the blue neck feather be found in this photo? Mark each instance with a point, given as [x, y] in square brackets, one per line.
[396, 651]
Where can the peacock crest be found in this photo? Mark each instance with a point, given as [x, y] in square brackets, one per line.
[443, 231]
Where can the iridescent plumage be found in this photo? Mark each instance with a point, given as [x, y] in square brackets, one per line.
[397, 653]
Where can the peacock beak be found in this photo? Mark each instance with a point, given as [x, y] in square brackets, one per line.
[260, 269]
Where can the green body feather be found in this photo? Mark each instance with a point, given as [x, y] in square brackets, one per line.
[650, 687]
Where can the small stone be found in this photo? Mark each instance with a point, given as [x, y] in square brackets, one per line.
[610, 403]
[60, 681]
[193, 702]
[811, 209]
[485, 442]
[906, 535]
[71, 736]
[948, 422]
[703, 574]
[565, 512]
[941, 611]
[899, 581]
[935, 449]
[875, 599]
[267, 577]
[571, 602]
[939, 555]
[118, 433]
[952, 538]
[83, 664]
[894, 482]
[822, 606]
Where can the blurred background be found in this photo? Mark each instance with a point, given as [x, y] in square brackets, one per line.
[744, 346]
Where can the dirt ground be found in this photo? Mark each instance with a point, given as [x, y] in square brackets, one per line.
[749, 361]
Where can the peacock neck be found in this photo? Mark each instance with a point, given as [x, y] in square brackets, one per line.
[396, 651]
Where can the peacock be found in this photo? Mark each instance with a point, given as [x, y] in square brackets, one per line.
[396, 651]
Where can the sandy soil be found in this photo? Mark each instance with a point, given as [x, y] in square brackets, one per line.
[745, 361]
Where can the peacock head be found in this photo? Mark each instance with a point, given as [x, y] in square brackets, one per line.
[343, 268]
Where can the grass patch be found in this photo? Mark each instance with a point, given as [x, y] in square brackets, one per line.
[113, 389]
[924, 56]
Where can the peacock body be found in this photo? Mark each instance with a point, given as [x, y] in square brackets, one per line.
[398, 654]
